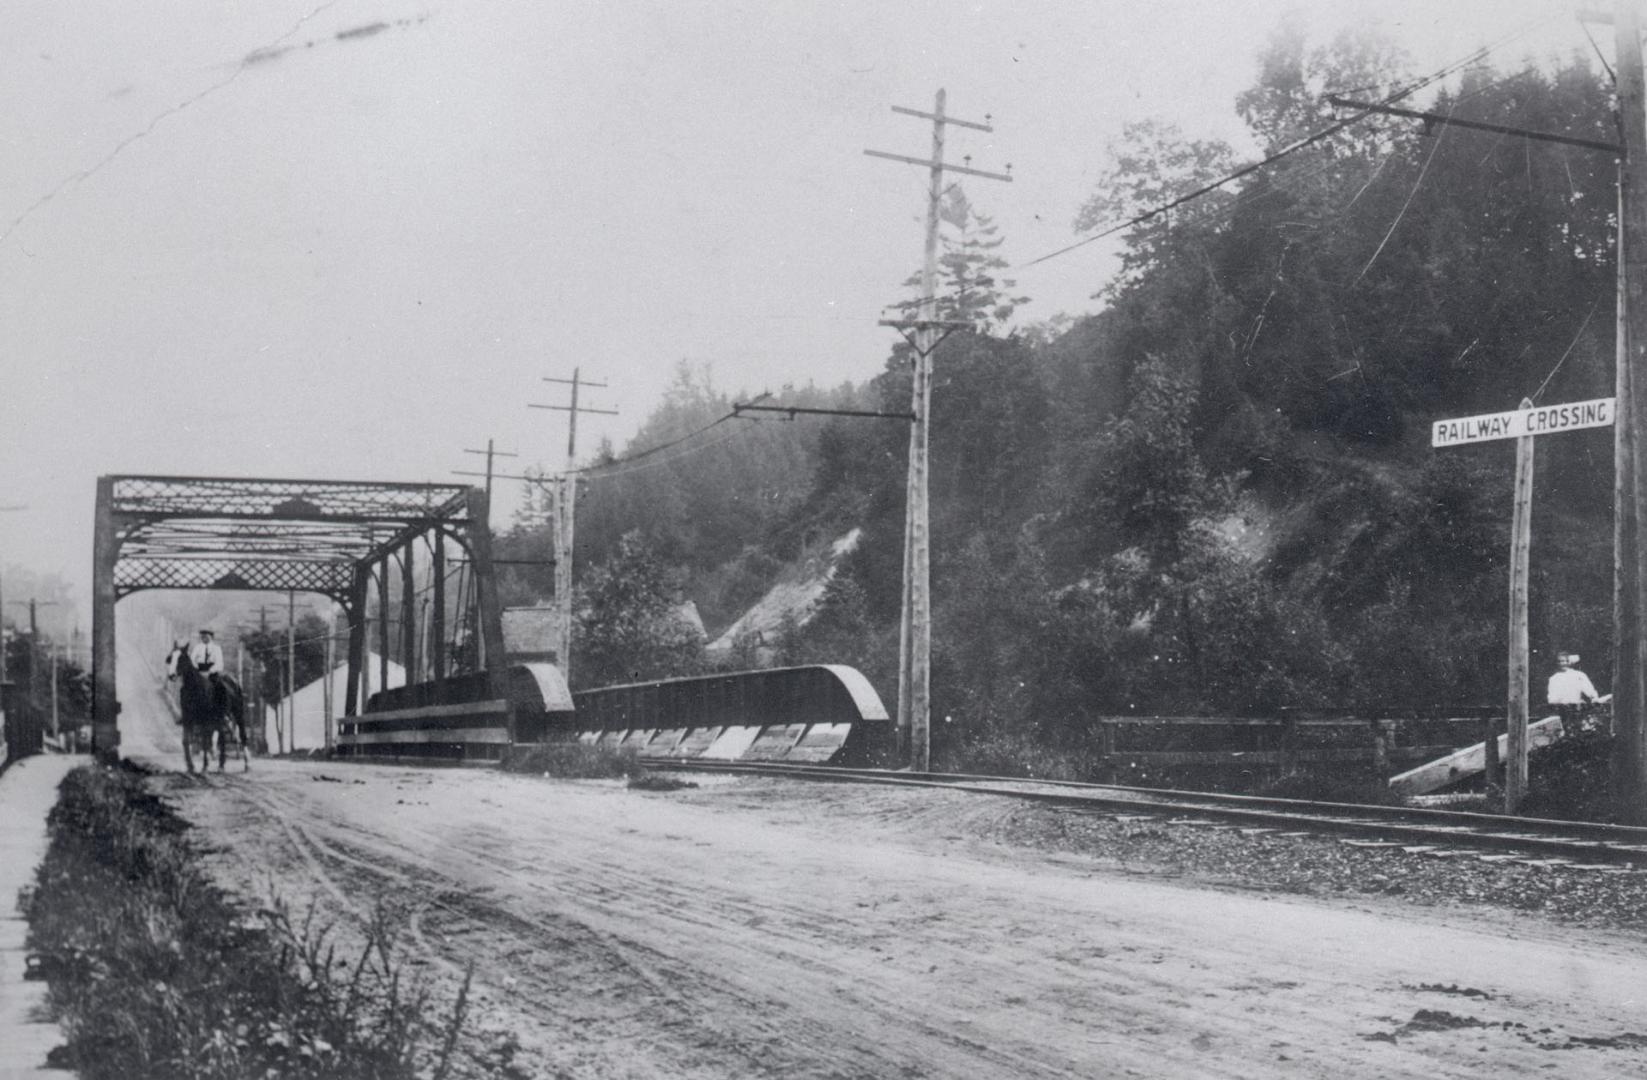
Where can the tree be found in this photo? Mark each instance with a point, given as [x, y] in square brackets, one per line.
[268, 648]
[1154, 164]
[969, 287]
[628, 624]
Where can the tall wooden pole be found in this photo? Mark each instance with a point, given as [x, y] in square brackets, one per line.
[54, 689]
[1629, 499]
[564, 515]
[566, 506]
[1515, 768]
[918, 586]
[915, 618]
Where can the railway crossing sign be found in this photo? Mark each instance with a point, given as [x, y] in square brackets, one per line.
[1522, 425]
[1522, 422]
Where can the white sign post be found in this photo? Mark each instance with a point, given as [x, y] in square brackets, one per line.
[1521, 425]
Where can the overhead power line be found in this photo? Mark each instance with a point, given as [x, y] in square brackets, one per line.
[607, 467]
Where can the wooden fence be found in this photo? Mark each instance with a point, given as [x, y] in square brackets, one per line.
[1287, 742]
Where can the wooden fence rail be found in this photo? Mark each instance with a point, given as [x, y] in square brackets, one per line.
[1285, 742]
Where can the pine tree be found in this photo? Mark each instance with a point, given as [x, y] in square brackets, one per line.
[969, 286]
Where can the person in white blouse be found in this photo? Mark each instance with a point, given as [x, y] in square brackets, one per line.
[1570, 691]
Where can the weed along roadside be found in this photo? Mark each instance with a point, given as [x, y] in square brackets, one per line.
[154, 972]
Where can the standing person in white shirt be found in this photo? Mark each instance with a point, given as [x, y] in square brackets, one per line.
[1570, 690]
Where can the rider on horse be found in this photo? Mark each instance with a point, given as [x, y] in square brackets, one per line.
[207, 655]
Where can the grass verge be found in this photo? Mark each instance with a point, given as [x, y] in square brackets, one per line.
[154, 972]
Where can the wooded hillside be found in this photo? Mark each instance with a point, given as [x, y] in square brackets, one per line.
[1216, 493]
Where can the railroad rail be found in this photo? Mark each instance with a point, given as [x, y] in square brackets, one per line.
[1415, 830]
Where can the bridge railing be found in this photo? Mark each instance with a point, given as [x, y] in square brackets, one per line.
[457, 719]
[813, 714]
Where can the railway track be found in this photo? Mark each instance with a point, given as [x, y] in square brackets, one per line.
[1414, 830]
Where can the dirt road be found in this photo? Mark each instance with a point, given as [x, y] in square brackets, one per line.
[754, 929]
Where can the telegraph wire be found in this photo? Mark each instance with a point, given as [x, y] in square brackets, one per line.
[1570, 346]
[1411, 195]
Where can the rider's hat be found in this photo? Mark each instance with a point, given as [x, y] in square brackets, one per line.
[208, 631]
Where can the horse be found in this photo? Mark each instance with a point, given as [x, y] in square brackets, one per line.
[209, 707]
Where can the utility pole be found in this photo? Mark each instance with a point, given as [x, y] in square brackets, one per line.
[490, 454]
[440, 541]
[54, 728]
[1521, 537]
[1630, 462]
[915, 622]
[565, 517]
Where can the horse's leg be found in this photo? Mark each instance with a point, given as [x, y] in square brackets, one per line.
[188, 750]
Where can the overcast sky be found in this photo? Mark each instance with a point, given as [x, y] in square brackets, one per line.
[347, 240]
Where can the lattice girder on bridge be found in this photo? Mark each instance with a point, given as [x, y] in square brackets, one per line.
[331, 579]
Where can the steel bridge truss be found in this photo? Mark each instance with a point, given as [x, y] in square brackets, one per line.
[320, 536]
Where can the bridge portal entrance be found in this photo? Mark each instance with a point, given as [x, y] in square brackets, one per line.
[332, 537]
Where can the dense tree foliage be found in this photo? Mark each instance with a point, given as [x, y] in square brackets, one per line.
[1216, 494]
[268, 655]
[629, 626]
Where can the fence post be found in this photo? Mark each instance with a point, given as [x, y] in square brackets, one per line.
[1383, 734]
[1491, 771]
[1106, 746]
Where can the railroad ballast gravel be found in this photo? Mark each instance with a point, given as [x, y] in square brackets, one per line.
[1228, 856]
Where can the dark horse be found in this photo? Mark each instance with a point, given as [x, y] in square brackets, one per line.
[209, 708]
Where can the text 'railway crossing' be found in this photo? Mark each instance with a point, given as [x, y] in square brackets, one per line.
[1518, 423]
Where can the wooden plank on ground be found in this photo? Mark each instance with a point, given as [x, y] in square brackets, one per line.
[1469, 761]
